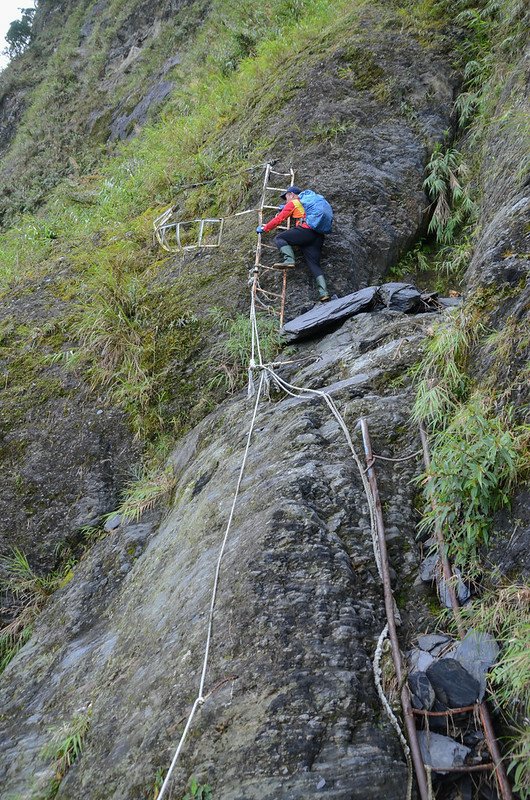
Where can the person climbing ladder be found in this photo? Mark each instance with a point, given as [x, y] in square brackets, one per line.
[313, 218]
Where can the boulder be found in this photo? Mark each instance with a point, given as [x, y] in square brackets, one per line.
[453, 685]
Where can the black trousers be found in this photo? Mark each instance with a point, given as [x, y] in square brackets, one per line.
[310, 243]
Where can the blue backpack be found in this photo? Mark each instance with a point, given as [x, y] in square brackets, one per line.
[319, 214]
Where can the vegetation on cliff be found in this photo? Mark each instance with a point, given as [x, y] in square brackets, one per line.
[138, 327]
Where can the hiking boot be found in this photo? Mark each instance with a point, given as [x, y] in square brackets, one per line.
[287, 261]
[323, 294]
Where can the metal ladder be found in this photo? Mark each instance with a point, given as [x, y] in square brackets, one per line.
[270, 299]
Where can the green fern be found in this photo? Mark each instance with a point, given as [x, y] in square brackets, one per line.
[475, 461]
[444, 183]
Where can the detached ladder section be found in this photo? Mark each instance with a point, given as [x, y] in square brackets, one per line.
[272, 298]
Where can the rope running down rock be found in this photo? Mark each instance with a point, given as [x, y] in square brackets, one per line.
[267, 373]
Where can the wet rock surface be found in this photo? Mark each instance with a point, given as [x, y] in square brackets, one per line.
[290, 695]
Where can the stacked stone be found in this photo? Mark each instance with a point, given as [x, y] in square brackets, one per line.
[446, 674]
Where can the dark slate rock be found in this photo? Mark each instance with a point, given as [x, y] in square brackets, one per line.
[441, 752]
[430, 641]
[401, 297]
[428, 568]
[477, 653]
[326, 314]
[472, 738]
[394, 296]
[450, 302]
[112, 523]
[452, 684]
[422, 691]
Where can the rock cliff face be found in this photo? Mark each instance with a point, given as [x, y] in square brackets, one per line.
[291, 711]
[94, 73]
[358, 124]
[291, 706]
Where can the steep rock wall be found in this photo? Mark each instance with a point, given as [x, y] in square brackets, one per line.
[299, 608]
[358, 120]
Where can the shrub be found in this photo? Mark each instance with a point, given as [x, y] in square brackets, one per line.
[230, 357]
[25, 594]
[475, 461]
[441, 377]
[65, 748]
[446, 174]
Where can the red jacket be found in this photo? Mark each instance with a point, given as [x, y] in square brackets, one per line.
[294, 209]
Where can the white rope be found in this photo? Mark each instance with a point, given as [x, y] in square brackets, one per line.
[199, 700]
[388, 709]
[266, 373]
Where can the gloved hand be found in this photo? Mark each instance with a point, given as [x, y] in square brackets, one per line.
[259, 229]
[281, 207]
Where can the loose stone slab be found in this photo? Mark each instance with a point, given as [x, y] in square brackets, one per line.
[431, 640]
[395, 296]
[452, 684]
[462, 591]
[428, 568]
[419, 660]
[112, 523]
[441, 752]
[477, 653]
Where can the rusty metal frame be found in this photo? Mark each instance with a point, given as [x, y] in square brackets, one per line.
[497, 766]
[412, 735]
[164, 228]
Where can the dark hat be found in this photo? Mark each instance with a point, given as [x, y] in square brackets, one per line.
[293, 189]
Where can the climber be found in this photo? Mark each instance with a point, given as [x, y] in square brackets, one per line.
[302, 235]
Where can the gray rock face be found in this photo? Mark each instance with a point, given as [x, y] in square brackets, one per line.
[290, 700]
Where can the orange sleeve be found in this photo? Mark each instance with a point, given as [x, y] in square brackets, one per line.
[286, 211]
